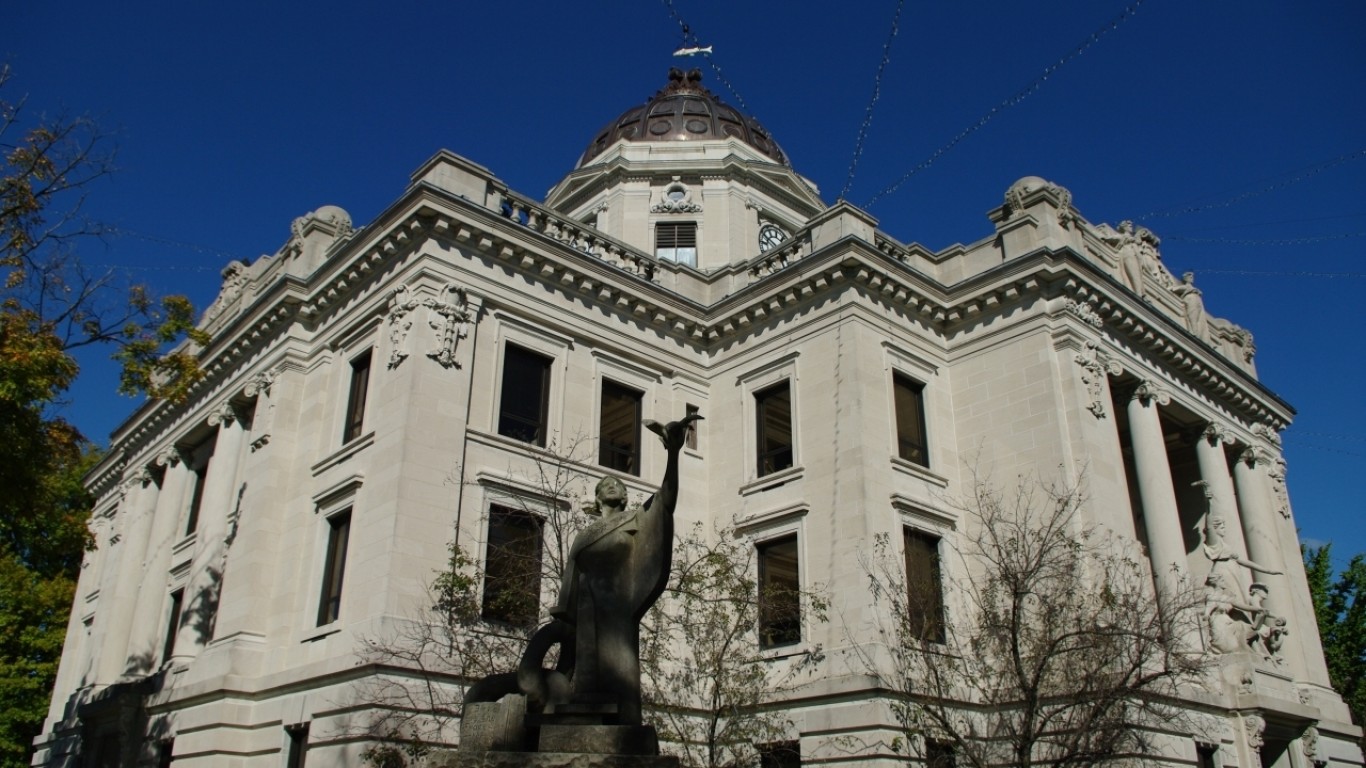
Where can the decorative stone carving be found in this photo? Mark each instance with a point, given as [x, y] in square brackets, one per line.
[1309, 743]
[1016, 194]
[1268, 434]
[1192, 306]
[258, 386]
[1126, 243]
[234, 281]
[1149, 390]
[1277, 474]
[1231, 339]
[676, 198]
[401, 304]
[1235, 612]
[1255, 727]
[335, 219]
[1096, 365]
[1216, 434]
[224, 414]
[1086, 312]
[169, 457]
[449, 317]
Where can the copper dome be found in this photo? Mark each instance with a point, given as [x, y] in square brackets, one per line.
[683, 110]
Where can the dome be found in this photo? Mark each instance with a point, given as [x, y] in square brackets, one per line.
[683, 110]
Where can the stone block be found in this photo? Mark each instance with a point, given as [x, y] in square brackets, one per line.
[494, 725]
[600, 739]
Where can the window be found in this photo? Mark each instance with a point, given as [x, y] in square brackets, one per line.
[172, 625]
[525, 397]
[939, 754]
[619, 430]
[773, 410]
[1205, 755]
[512, 567]
[199, 470]
[780, 609]
[690, 440]
[338, 534]
[676, 241]
[165, 753]
[781, 754]
[355, 400]
[924, 590]
[298, 745]
[910, 420]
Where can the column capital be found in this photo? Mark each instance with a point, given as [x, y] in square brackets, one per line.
[259, 384]
[1215, 434]
[1150, 390]
[1268, 434]
[169, 457]
[225, 414]
[138, 478]
[1255, 455]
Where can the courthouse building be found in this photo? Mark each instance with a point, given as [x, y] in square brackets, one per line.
[301, 499]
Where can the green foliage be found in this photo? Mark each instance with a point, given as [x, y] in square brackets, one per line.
[1340, 606]
[50, 305]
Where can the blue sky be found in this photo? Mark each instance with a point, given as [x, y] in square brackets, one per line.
[1215, 124]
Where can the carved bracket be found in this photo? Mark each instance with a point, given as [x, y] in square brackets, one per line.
[1096, 365]
[450, 318]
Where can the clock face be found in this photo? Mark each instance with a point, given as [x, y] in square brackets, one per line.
[770, 235]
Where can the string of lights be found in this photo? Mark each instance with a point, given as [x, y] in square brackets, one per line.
[1265, 241]
[1327, 435]
[1297, 177]
[872, 102]
[690, 39]
[1269, 273]
[121, 232]
[1018, 97]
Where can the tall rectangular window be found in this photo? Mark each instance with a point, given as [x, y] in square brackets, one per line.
[910, 420]
[780, 754]
[773, 412]
[690, 440]
[676, 241]
[522, 413]
[1206, 755]
[172, 625]
[334, 567]
[512, 567]
[780, 605]
[199, 459]
[939, 754]
[924, 588]
[355, 399]
[165, 753]
[619, 428]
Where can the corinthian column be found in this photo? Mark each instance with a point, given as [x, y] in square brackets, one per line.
[1161, 518]
[211, 543]
[148, 627]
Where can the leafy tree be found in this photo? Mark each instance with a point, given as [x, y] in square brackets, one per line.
[1340, 606]
[1051, 651]
[51, 305]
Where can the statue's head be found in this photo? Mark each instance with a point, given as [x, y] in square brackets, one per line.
[610, 493]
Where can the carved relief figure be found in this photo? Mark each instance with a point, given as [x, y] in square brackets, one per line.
[1235, 612]
[401, 305]
[448, 319]
[1126, 241]
[1193, 305]
[234, 280]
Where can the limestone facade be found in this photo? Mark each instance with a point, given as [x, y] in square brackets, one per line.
[355, 373]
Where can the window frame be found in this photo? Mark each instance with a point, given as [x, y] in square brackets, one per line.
[670, 242]
[335, 553]
[768, 615]
[528, 580]
[357, 395]
[612, 456]
[174, 613]
[915, 393]
[932, 627]
[198, 461]
[541, 430]
[762, 454]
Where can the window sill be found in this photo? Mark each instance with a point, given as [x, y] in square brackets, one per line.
[185, 544]
[772, 480]
[344, 453]
[783, 652]
[319, 633]
[918, 471]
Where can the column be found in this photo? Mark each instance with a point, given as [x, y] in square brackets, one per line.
[148, 629]
[142, 502]
[1209, 454]
[1161, 518]
[211, 542]
[1259, 528]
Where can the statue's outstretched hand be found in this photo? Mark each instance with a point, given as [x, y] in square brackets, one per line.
[675, 433]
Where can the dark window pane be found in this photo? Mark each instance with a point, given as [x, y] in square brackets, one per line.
[165, 753]
[338, 534]
[172, 624]
[910, 420]
[676, 241]
[773, 410]
[619, 431]
[939, 754]
[782, 754]
[780, 609]
[199, 476]
[691, 440]
[512, 567]
[355, 401]
[924, 591]
[525, 396]
[298, 746]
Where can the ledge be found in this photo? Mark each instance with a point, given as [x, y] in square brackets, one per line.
[772, 480]
[344, 453]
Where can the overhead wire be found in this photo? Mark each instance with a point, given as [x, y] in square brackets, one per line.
[1300, 175]
[1275, 273]
[872, 102]
[1018, 97]
[1307, 240]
